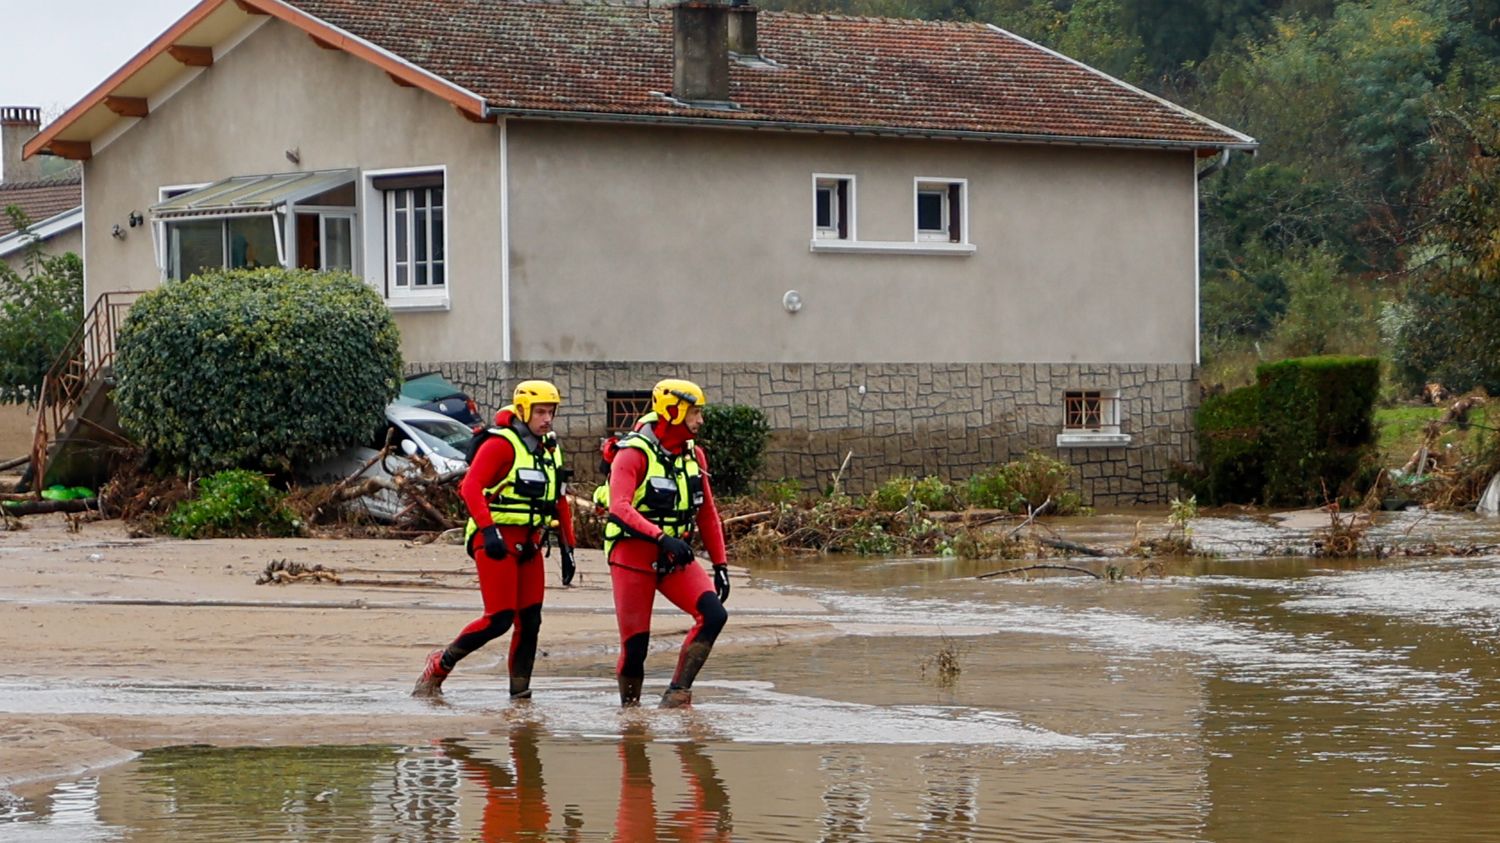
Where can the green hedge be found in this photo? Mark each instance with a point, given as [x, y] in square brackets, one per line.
[1317, 424]
[1229, 453]
[263, 369]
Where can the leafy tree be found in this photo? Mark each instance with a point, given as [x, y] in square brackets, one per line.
[1321, 314]
[40, 308]
[1096, 32]
[1443, 328]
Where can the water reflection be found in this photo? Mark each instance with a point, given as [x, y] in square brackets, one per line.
[702, 814]
[514, 792]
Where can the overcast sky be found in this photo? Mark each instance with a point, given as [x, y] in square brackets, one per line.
[52, 52]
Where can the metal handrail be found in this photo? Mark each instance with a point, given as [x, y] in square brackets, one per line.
[85, 356]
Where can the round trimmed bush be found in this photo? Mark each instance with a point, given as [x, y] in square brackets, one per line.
[265, 368]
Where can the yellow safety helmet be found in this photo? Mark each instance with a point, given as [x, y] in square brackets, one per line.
[671, 399]
[529, 393]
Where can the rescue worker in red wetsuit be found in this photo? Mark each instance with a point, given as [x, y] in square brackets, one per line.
[659, 496]
[515, 491]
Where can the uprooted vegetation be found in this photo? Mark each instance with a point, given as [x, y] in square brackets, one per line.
[247, 503]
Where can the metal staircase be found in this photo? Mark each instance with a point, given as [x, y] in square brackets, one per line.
[76, 424]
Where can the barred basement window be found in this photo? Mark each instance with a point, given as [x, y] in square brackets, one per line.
[624, 407]
[1086, 410]
[1091, 418]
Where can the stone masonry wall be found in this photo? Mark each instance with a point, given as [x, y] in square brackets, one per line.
[951, 420]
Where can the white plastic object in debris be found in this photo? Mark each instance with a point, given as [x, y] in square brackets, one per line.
[1489, 502]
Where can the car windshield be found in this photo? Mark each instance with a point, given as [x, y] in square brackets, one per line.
[444, 436]
[430, 387]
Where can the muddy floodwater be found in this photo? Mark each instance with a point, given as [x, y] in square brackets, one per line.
[1232, 699]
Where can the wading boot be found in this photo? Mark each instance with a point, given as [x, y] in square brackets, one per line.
[630, 691]
[520, 688]
[676, 698]
[431, 682]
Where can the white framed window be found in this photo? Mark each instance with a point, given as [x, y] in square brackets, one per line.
[833, 207]
[406, 243]
[940, 210]
[1091, 418]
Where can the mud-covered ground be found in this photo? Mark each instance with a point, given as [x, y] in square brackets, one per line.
[97, 609]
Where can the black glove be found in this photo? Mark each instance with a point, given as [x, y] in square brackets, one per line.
[568, 569]
[721, 582]
[677, 551]
[494, 543]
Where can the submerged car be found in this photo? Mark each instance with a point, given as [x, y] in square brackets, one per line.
[412, 432]
[432, 391]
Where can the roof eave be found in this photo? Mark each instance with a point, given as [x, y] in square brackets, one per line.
[1247, 144]
[409, 73]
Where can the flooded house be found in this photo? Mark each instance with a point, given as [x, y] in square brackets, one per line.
[931, 245]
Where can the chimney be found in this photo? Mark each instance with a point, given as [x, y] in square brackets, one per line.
[742, 40]
[700, 52]
[18, 124]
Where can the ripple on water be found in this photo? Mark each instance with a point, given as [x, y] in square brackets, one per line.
[1463, 594]
[1239, 650]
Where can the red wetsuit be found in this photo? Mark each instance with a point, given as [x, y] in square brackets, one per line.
[512, 587]
[635, 579]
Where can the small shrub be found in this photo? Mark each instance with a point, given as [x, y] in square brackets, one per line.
[233, 503]
[1025, 483]
[780, 492]
[1037, 477]
[991, 489]
[929, 493]
[735, 438]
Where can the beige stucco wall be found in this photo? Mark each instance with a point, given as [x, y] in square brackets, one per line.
[276, 91]
[649, 244]
[60, 244]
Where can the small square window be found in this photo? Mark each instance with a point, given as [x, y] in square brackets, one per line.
[1091, 419]
[832, 207]
[940, 210]
[624, 407]
[1084, 410]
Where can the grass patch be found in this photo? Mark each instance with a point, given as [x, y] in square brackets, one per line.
[1400, 430]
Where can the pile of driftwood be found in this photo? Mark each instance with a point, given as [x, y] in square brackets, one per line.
[430, 499]
[288, 572]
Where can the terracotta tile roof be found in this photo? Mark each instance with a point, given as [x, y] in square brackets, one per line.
[40, 199]
[861, 73]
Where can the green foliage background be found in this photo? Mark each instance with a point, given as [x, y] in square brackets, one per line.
[40, 308]
[264, 369]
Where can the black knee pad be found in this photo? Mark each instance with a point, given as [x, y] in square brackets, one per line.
[531, 619]
[714, 616]
[635, 654]
[496, 626]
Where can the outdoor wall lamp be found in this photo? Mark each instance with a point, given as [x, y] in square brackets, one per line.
[792, 301]
[117, 232]
[135, 219]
